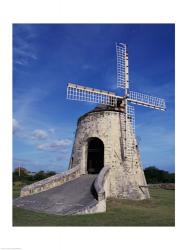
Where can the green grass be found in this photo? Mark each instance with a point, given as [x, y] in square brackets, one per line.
[17, 185]
[158, 211]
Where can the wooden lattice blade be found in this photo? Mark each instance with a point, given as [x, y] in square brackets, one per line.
[122, 66]
[82, 93]
[131, 116]
[147, 101]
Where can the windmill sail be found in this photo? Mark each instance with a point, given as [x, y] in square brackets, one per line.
[82, 93]
[147, 100]
[122, 66]
[131, 116]
[128, 152]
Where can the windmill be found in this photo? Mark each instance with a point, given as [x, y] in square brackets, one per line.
[105, 144]
[83, 93]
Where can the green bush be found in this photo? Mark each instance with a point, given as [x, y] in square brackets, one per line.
[155, 175]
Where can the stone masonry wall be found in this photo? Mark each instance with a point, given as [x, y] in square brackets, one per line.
[50, 182]
[126, 181]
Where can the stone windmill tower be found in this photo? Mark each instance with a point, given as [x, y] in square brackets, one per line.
[105, 136]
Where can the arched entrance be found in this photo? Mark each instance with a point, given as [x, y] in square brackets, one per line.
[95, 158]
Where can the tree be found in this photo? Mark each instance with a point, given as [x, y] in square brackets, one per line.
[20, 171]
[155, 175]
[40, 175]
[20, 174]
[50, 173]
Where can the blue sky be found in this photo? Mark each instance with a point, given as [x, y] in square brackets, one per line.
[48, 56]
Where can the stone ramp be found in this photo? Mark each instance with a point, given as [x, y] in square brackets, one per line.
[65, 199]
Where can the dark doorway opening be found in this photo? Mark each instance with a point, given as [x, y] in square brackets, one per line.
[95, 159]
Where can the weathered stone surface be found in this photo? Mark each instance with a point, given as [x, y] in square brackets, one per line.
[70, 192]
[126, 181]
[51, 182]
[70, 198]
[101, 184]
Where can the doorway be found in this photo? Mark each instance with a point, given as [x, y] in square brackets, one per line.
[95, 158]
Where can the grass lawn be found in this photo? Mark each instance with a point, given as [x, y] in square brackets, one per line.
[158, 211]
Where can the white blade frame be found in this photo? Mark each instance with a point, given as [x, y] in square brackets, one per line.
[146, 100]
[122, 66]
[82, 93]
[131, 116]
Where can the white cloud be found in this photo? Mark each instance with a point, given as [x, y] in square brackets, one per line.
[24, 49]
[51, 130]
[16, 125]
[55, 146]
[39, 134]
[87, 67]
